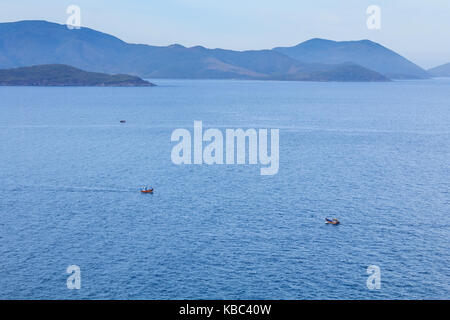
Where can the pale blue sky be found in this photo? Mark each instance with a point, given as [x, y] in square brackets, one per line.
[417, 29]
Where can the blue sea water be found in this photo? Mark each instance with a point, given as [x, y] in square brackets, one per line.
[374, 155]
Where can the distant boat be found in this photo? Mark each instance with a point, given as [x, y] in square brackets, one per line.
[146, 190]
[123, 121]
[332, 221]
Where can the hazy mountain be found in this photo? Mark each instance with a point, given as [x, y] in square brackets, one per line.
[63, 75]
[440, 71]
[365, 53]
[27, 43]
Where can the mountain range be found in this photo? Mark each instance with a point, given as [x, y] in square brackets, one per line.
[27, 43]
[440, 71]
[365, 53]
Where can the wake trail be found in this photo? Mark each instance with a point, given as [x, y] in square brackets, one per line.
[70, 189]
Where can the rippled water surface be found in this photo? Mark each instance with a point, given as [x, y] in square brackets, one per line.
[374, 155]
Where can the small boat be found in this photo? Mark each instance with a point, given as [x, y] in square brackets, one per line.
[123, 121]
[146, 190]
[332, 221]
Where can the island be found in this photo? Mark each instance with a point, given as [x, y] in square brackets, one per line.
[61, 75]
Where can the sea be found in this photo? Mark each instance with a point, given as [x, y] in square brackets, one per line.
[376, 156]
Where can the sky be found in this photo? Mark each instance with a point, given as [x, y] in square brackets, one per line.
[416, 29]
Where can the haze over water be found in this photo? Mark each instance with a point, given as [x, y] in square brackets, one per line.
[374, 155]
